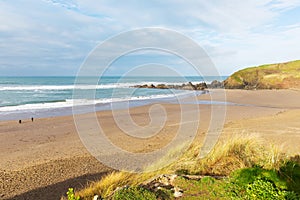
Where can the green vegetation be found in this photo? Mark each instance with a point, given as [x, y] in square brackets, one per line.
[258, 183]
[71, 195]
[206, 188]
[134, 193]
[249, 183]
[247, 169]
[273, 76]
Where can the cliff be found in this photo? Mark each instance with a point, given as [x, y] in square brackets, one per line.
[272, 76]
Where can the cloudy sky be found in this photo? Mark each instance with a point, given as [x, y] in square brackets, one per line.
[53, 37]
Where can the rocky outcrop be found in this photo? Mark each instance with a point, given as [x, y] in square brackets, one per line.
[165, 181]
[215, 84]
[188, 86]
[273, 76]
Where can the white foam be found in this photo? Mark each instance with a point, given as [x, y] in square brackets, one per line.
[71, 87]
[62, 87]
[38, 88]
[81, 102]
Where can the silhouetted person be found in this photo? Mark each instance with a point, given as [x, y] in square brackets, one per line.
[32, 119]
[20, 121]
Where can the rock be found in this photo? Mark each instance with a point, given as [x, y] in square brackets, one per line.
[161, 181]
[164, 181]
[96, 197]
[216, 84]
[177, 192]
[192, 85]
[161, 86]
[201, 86]
[141, 86]
[188, 86]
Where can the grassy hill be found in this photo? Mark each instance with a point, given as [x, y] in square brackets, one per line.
[271, 76]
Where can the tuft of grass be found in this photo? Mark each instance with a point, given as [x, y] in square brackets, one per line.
[107, 185]
[240, 151]
[169, 158]
[111, 182]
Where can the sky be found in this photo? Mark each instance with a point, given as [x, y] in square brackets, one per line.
[54, 37]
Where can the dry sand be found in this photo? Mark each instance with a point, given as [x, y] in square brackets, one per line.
[41, 159]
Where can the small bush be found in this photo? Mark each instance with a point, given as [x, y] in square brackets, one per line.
[290, 172]
[258, 183]
[243, 177]
[71, 195]
[263, 190]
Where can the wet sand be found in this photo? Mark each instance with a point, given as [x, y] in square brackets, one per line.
[41, 159]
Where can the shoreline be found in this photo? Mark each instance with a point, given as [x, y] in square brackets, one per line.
[53, 143]
[88, 108]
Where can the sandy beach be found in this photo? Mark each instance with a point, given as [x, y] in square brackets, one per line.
[43, 158]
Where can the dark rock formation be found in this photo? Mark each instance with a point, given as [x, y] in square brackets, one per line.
[188, 86]
[215, 84]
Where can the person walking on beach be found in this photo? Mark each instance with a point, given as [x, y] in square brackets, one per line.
[32, 119]
[20, 121]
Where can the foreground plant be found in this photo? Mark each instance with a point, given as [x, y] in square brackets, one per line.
[265, 184]
[71, 194]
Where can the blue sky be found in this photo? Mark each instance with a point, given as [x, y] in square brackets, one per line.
[53, 37]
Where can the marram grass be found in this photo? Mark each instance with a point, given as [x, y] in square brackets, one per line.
[238, 152]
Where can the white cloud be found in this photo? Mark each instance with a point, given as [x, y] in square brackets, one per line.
[234, 33]
[69, 4]
[284, 5]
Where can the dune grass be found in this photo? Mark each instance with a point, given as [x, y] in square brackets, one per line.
[238, 152]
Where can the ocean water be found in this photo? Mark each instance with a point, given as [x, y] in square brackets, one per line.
[26, 97]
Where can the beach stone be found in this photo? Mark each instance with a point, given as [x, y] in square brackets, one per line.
[177, 192]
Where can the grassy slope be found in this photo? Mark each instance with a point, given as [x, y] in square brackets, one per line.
[272, 76]
[239, 153]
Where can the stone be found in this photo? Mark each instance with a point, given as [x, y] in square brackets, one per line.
[96, 197]
[216, 84]
[177, 192]
[161, 86]
[188, 86]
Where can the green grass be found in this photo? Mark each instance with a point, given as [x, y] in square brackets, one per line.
[206, 188]
[254, 183]
[271, 76]
[134, 193]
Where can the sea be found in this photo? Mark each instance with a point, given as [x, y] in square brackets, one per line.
[38, 97]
